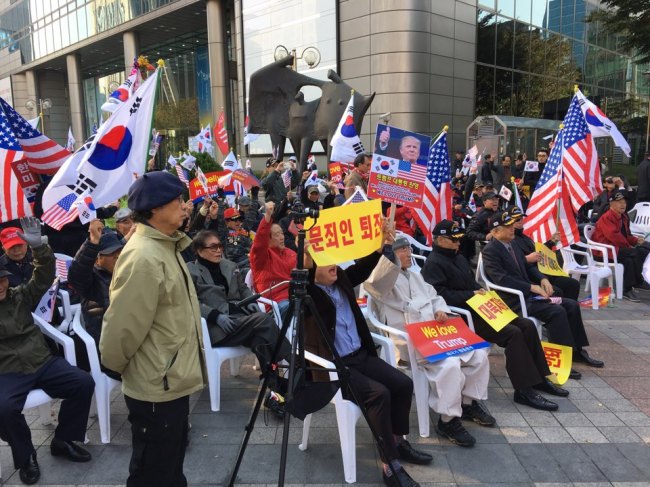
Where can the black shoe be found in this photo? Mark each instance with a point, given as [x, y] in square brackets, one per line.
[548, 387]
[399, 479]
[455, 432]
[409, 454]
[531, 398]
[30, 473]
[70, 450]
[575, 375]
[581, 355]
[273, 404]
[631, 296]
[478, 413]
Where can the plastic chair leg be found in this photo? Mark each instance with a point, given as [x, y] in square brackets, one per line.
[45, 413]
[103, 399]
[422, 404]
[346, 419]
[304, 444]
[595, 281]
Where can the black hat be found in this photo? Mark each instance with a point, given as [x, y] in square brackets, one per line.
[501, 219]
[447, 228]
[479, 185]
[617, 195]
[4, 272]
[489, 195]
[515, 212]
[244, 201]
[153, 190]
[109, 243]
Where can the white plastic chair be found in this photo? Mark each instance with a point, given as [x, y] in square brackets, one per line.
[606, 262]
[103, 383]
[413, 242]
[420, 381]
[347, 413]
[522, 302]
[640, 226]
[37, 397]
[593, 272]
[214, 358]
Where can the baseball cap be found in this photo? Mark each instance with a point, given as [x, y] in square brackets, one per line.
[617, 195]
[293, 159]
[400, 243]
[501, 219]
[447, 228]
[9, 237]
[122, 214]
[312, 189]
[244, 201]
[490, 195]
[515, 212]
[109, 243]
[231, 214]
[4, 272]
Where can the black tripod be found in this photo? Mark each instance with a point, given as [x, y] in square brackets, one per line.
[299, 299]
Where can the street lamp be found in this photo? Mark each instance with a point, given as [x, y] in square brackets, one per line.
[310, 55]
[646, 74]
[43, 104]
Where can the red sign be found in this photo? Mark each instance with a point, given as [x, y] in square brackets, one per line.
[436, 341]
[29, 183]
[196, 189]
[336, 172]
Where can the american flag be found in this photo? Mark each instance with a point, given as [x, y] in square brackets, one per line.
[411, 171]
[580, 158]
[221, 134]
[13, 203]
[62, 213]
[43, 155]
[62, 266]
[437, 198]
[543, 208]
[182, 175]
[286, 179]
[359, 196]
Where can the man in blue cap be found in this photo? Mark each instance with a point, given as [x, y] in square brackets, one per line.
[151, 332]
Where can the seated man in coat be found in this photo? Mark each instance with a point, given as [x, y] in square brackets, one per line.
[613, 228]
[456, 384]
[506, 266]
[450, 274]
[219, 285]
[27, 363]
[384, 391]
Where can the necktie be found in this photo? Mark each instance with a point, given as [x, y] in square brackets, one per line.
[511, 251]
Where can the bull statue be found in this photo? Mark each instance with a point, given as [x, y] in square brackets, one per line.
[277, 107]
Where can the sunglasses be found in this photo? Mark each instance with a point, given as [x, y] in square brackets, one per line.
[216, 246]
[609, 181]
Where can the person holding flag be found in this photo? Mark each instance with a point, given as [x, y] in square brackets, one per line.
[359, 175]
[26, 363]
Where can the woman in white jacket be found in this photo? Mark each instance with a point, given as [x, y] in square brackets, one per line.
[456, 384]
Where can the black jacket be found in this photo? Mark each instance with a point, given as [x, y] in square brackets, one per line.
[21, 272]
[501, 269]
[450, 273]
[478, 227]
[346, 280]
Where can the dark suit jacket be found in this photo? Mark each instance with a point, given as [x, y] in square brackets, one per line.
[501, 269]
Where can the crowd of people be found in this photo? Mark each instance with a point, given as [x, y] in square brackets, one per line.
[145, 283]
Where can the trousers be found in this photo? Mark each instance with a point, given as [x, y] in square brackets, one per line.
[525, 361]
[58, 379]
[632, 260]
[159, 437]
[563, 322]
[386, 394]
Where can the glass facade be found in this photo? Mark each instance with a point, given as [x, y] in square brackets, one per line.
[294, 24]
[40, 27]
[530, 54]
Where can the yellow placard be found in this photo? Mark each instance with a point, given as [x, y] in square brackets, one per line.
[548, 264]
[492, 309]
[558, 358]
[345, 233]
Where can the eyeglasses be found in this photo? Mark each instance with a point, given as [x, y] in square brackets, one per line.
[609, 181]
[215, 246]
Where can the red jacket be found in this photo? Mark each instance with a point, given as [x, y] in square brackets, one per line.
[270, 265]
[609, 231]
[403, 221]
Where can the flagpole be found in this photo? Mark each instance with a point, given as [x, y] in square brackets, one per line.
[559, 182]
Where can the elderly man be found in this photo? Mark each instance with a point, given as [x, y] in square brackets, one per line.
[274, 187]
[385, 392]
[359, 175]
[17, 258]
[456, 384]
[220, 284]
[271, 262]
[27, 363]
[124, 223]
[450, 274]
[151, 332]
[479, 226]
[237, 239]
[505, 265]
[613, 228]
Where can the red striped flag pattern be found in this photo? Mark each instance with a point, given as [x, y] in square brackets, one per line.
[221, 134]
[59, 215]
[543, 209]
[62, 267]
[182, 175]
[43, 155]
[437, 199]
[13, 203]
[580, 158]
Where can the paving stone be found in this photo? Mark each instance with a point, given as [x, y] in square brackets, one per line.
[538, 462]
[586, 434]
[575, 463]
[639, 455]
[552, 434]
[604, 419]
[522, 434]
[634, 418]
[540, 418]
[573, 419]
[486, 463]
[613, 464]
[509, 419]
[619, 434]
